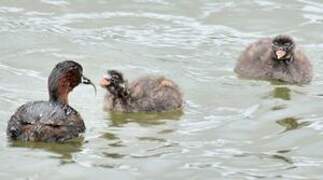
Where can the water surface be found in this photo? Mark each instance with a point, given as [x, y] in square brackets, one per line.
[230, 128]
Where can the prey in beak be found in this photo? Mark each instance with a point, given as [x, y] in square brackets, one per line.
[87, 81]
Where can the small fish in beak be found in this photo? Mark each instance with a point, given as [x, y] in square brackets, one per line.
[280, 54]
[86, 80]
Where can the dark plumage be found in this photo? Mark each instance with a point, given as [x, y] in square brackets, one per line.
[275, 59]
[147, 94]
[53, 120]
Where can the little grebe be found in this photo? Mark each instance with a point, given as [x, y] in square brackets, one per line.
[147, 94]
[275, 59]
[53, 120]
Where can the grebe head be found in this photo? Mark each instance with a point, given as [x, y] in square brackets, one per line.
[114, 82]
[64, 78]
[283, 47]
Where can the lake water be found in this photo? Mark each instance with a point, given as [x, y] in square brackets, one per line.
[230, 128]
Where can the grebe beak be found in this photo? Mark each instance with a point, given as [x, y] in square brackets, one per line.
[86, 80]
[105, 81]
[280, 54]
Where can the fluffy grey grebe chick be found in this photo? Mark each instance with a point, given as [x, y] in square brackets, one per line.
[147, 94]
[275, 59]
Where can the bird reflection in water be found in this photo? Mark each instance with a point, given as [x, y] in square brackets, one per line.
[144, 118]
[158, 144]
[291, 123]
[281, 93]
[64, 151]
